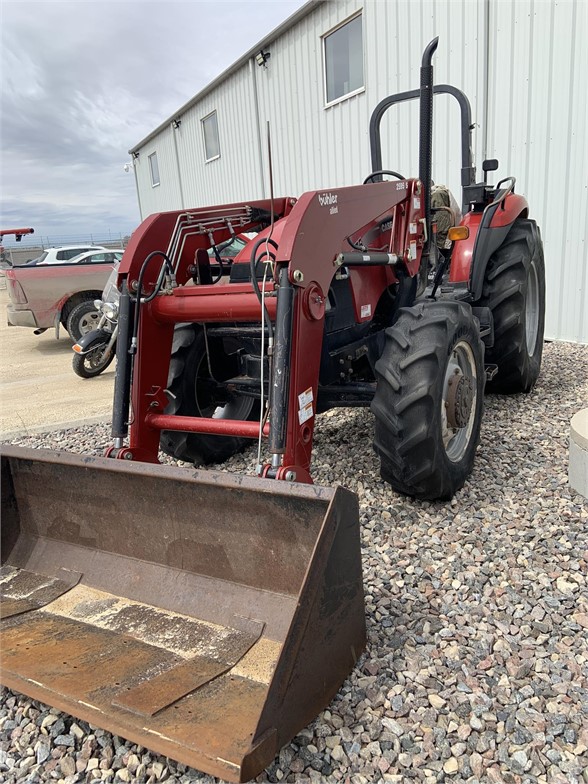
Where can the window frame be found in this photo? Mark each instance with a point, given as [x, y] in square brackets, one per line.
[150, 158]
[213, 113]
[69, 253]
[324, 36]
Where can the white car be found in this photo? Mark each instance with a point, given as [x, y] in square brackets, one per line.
[106, 256]
[63, 254]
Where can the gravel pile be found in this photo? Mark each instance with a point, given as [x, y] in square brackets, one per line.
[477, 612]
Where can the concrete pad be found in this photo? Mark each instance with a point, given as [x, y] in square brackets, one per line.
[39, 390]
[578, 465]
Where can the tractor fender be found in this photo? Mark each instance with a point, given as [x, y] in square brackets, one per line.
[488, 230]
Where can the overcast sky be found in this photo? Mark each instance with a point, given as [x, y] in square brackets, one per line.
[84, 81]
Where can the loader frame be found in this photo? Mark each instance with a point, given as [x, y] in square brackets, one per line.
[310, 255]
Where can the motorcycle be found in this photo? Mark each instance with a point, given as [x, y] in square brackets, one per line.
[95, 350]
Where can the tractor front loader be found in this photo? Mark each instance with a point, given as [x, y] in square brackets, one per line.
[210, 616]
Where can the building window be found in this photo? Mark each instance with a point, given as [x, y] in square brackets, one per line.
[211, 141]
[343, 52]
[154, 169]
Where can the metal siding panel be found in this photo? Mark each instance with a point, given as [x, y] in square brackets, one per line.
[235, 174]
[401, 31]
[166, 195]
[538, 129]
[577, 216]
[310, 144]
[571, 310]
[536, 123]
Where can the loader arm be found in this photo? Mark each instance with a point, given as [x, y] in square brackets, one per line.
[312, 237]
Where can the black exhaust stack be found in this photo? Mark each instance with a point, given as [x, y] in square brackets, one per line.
[426, 133]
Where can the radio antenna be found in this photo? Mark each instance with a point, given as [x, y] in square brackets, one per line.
[268, 261]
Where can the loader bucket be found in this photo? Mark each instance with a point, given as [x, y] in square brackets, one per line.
[204, 615]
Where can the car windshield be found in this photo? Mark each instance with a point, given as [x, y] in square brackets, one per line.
[230, 248]
[39, 259]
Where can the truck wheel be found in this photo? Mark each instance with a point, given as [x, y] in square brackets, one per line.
[514, 290]
[195, 393]
[82, 319]
[94, 361]
[429, 399]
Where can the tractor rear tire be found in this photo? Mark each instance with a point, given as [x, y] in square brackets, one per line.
[195, 393]
[514, 290]
[429, 400]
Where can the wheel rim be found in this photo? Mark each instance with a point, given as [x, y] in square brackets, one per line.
[461, 368]
[96, 358]
[532, 309]
[88, 322]
[207, 404]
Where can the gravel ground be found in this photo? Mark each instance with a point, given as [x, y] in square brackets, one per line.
[477, 612]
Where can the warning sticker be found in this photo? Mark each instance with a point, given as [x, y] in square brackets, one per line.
[305, 413]
[412, 250]
[417, 203]
[304, 398]
[413, 228]
[366, 311]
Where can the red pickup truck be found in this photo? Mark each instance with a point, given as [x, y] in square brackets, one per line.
[56, 295]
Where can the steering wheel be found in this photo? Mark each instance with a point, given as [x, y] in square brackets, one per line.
[370, 177]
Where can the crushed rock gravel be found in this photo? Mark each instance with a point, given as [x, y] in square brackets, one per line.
[477, 611]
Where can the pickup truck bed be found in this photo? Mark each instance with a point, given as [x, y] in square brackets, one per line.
[42, 297]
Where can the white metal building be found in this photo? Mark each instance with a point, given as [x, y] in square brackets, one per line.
[317, 78]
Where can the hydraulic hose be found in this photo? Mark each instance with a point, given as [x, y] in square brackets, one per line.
[255, 284]
[155, 292]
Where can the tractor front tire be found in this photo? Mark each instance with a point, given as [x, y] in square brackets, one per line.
[514, 290]
[429, 400]
[195, 393]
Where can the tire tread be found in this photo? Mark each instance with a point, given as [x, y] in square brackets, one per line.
[406, 411]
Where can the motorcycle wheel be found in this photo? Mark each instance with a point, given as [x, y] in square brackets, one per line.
[94, 361]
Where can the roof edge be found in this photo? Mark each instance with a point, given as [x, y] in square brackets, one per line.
[275, 33]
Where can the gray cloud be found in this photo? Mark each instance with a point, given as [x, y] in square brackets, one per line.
[84, 81]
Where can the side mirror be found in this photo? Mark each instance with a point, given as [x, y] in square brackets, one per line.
[489, 165]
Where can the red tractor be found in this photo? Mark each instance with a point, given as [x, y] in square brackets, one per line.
[366, 295]
[210, 616]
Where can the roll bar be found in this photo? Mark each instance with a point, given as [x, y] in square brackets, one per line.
[468, 170]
